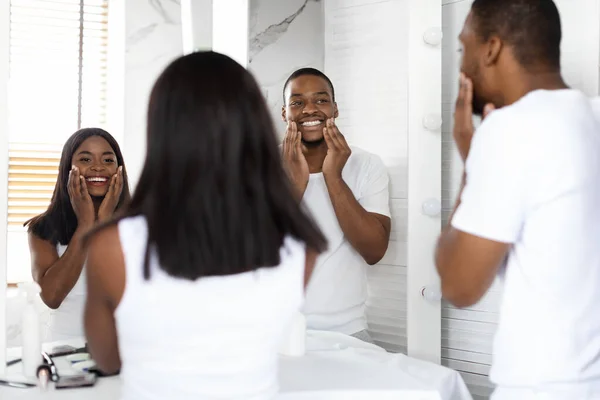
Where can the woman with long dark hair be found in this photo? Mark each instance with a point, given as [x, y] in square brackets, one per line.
[92, 184]
[190, 292]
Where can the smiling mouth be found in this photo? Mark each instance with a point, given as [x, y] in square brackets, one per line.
[312, 123]
[97, 180]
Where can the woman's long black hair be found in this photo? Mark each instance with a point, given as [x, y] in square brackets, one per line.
[59, 222]
[213, 191]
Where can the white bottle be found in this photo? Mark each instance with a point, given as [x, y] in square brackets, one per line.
[31, 330]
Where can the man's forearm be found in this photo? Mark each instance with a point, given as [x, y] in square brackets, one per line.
[444, 243]
[457, 201]
[364, 231]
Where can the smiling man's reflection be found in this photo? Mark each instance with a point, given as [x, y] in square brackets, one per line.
[346, 190]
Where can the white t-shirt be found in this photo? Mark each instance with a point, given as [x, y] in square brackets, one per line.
[337, 291]
[213, 338]
[66, 322]
[533, 180]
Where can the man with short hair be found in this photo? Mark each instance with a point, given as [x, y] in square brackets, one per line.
[346, 190]
[529, 208]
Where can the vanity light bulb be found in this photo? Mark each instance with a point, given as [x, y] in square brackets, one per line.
[431, 207]
[432, 122]
[432, 294]
[433, 36]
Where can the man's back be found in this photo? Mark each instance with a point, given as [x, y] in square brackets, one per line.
[544, 152]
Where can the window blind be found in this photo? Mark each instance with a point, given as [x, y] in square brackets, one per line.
[32, 174]
[58, 82]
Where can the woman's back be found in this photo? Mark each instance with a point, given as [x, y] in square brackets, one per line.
[213, 338]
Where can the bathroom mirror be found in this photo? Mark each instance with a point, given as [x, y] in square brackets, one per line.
[385, 61]
[369, 49]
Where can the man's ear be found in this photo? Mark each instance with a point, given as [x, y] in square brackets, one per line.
[335, 110]
[283, 114]
[493, 49]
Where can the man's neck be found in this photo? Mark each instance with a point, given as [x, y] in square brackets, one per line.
[315, 156]
[528, 82]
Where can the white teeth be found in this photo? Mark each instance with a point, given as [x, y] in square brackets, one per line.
[311, 123]
[96, 179]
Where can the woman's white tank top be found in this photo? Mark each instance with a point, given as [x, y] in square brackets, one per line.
[213, 338]
[66, 322]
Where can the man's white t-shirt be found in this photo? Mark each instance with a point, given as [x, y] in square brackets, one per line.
[337, 291]
[533, 180]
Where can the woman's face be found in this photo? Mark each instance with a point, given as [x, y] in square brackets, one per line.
[97, 163]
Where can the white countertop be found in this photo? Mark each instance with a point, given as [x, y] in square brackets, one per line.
[335, 367]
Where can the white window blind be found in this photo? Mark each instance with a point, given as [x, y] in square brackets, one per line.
[32, 175]
[57, 84]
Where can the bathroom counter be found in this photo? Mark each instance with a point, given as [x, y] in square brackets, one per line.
[334, 367]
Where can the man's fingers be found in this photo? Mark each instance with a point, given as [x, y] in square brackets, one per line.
[290, 138]
[463, 111]
[339, 136]
[288, 131]
[489, 107]
[328, 140]
[468, 96]
[334, 134]
[461, 99]
[294, 127]
[298, 141]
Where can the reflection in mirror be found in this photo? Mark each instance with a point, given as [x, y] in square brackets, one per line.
[284, 36]
[345, 42]
[73, 88]
[352, 194]
[70, 90]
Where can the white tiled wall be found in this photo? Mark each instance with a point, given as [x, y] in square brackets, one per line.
[366, 47]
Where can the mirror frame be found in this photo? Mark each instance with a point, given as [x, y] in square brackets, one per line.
[4, 68]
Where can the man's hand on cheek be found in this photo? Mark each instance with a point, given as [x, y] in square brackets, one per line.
[338, 151]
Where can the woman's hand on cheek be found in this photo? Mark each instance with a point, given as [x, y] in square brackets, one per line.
[81, 201]
[109, 204]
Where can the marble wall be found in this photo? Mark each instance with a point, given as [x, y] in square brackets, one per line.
[153, 38]
[284, 36]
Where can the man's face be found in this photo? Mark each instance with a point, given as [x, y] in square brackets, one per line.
[309, 103]
[471, 65]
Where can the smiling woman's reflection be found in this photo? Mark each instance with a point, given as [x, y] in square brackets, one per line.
[91, 185]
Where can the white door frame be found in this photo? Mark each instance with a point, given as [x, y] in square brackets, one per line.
[4, 63]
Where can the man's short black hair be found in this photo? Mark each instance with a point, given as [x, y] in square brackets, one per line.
[531, 27]
[308, 71]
